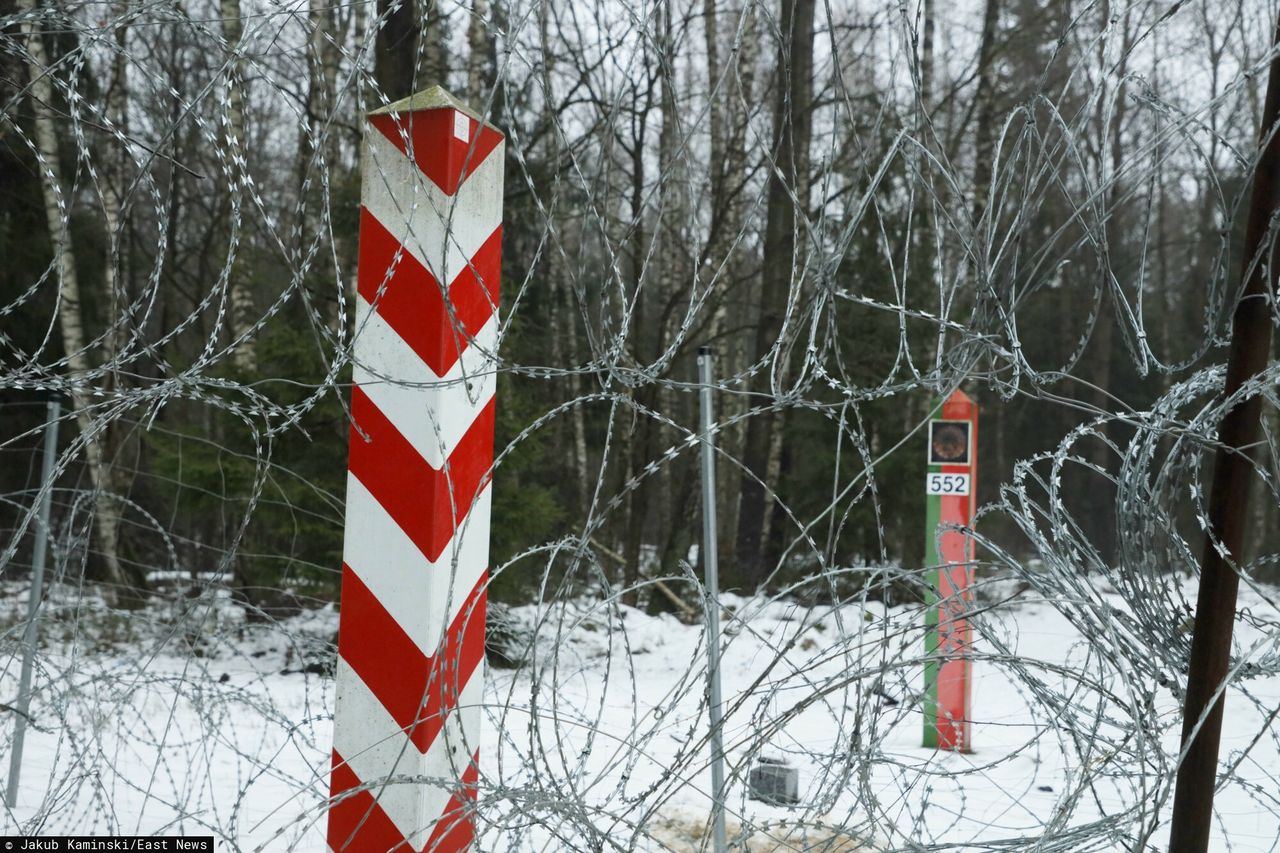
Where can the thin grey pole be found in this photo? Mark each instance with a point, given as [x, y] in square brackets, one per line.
[712, 607]
[33, 604]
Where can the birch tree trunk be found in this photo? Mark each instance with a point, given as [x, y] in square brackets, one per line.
[245, 355]
[70, 321]
[336, 269]
[114, 177]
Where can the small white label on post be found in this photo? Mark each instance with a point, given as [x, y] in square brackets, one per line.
[461, 126]
[946, 484]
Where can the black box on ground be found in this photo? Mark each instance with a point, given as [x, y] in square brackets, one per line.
[772, 781]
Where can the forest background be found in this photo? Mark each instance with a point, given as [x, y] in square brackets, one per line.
[859, 206]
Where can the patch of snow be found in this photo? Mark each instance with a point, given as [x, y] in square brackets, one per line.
[194, 719]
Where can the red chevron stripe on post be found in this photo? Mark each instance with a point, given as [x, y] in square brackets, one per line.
[415, 560]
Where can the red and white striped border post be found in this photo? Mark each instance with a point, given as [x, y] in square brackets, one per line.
[415, 561]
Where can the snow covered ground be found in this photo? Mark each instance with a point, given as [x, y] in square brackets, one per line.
[198, 722]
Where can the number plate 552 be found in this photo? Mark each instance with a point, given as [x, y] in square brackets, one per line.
[946, 484]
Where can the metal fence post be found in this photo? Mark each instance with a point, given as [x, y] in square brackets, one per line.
[711, 564]
[33, 605]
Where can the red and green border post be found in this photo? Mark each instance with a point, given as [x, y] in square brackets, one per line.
[950, 500]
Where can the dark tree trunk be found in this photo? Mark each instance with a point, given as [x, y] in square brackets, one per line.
[791, 133]
[398, 44]
[396, 47]
[985, 103]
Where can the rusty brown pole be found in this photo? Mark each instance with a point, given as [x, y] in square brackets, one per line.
[1229, 499]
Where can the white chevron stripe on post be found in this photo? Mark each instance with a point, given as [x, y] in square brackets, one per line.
[458, 396]
[402, 578]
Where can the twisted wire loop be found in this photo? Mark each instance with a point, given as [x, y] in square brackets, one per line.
[1046, 212]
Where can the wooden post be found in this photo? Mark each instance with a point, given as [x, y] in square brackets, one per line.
[950, 489]
[409, 679]
[1239, 435]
